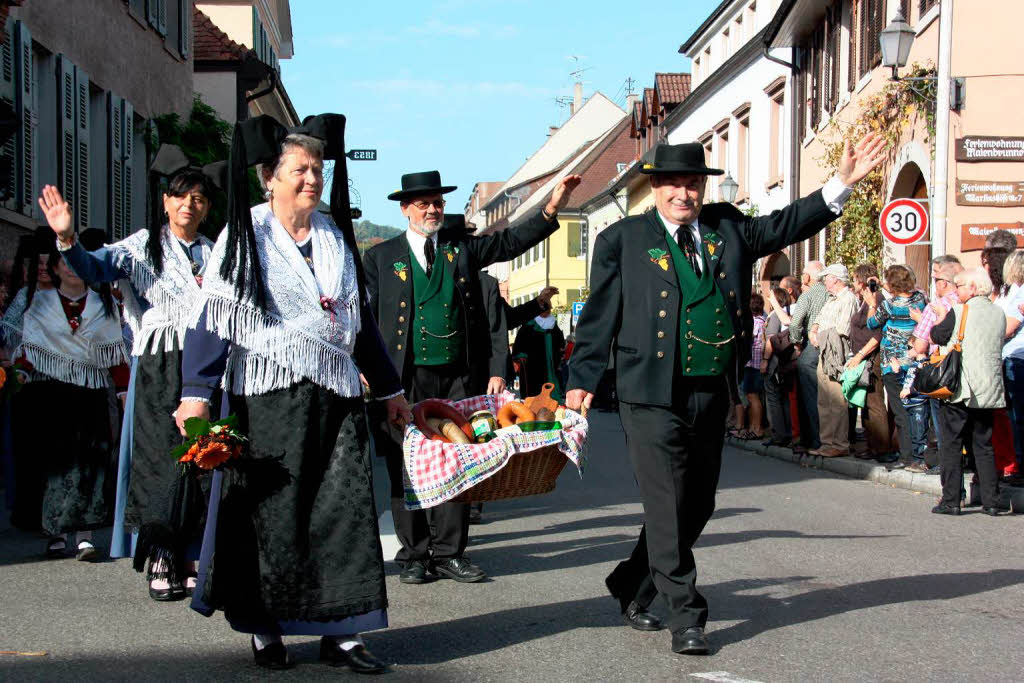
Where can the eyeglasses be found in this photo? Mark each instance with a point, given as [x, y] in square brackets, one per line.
[942, 279]
[423, 205]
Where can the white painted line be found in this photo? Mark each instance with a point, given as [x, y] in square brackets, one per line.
[723, 677]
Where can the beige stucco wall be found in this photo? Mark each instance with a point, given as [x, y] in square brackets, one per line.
[118, 52]
[218, 89]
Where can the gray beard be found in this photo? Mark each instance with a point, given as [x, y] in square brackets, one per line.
[424, 230]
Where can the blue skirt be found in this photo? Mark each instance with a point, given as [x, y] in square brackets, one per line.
[122, 542]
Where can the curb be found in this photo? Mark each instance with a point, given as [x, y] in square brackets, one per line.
[1010, 497]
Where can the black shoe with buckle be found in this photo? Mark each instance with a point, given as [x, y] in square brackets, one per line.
[692, 641]
[943, 509]
[358, 659]
[274, 656]
[415, 571]
[639, 618]
[460, 569]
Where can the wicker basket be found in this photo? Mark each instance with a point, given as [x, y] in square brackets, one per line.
[526, 474]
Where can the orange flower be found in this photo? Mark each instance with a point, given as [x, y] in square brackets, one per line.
[214, 453]
[191, 454]
[3, 377]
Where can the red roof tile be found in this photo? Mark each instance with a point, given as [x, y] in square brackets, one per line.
[672, 88]
[212, 44]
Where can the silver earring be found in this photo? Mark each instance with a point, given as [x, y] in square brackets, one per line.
[269, 194]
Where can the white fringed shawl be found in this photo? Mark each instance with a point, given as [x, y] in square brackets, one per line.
[172, 295]
[296, 337]
[83, 358]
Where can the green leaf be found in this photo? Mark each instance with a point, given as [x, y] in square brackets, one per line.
[196, 426]
[181, 450]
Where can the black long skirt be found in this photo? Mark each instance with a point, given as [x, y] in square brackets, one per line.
[164, 506]
[75, 452]
[296, 534]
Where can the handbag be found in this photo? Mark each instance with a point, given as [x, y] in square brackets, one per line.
[939, 378]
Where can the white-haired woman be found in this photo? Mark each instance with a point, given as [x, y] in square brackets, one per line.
[967, 416]
[284, 326]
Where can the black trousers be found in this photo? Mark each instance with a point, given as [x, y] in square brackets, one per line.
[631, 580]
[893, 385]
[440, 532]
[972, 426]
[677, 456]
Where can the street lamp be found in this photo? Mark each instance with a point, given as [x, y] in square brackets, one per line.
[895, 40]
[728, 187]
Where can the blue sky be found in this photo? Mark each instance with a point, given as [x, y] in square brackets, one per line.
[468, 87]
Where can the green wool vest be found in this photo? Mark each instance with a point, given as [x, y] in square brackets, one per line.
[706, 339]
[437, 333]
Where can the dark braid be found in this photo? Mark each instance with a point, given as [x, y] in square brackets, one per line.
[241, 247]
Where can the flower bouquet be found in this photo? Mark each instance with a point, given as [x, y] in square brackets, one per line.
[210, 445]
[13, 378]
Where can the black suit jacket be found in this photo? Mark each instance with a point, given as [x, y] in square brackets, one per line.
[633, 308]
[391, 298]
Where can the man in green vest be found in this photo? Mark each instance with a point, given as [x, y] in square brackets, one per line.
[424, 289]
[670, 295]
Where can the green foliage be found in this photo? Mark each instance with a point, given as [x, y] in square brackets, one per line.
[369, 234]
[205, 138]
[752, 211]
[854, 237]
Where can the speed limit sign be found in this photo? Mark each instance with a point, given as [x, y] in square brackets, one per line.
[903, 221]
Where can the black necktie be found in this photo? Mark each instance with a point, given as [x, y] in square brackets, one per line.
[428, 251]
[685, 241]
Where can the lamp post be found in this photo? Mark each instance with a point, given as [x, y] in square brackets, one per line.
[895, 40]
[728, 187]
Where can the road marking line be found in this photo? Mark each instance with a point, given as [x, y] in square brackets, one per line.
[723, 677]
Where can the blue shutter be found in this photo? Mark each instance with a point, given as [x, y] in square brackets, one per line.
[8, 154]
[184, 27]
[128, 112]
[66, 131]
[82, 144]
[115, 175]
[25, 106]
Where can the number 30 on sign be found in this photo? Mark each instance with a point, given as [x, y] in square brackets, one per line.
[903, 221]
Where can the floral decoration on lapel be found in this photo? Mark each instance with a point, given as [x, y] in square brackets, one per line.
[450, 252]
[401, 270]
[713, 243]
[659, 256]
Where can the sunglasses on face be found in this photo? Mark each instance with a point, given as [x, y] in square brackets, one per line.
[423, 205]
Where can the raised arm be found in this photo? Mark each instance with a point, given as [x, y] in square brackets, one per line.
[102, 265]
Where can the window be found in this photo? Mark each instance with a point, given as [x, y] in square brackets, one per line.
[261, 41]
[722, 133]
[776, 116]
[927, 5]
[752, 16]
[574, 239]
[742, 174]
[726, 45]
[696, 70]
[851, 52]
[737, 30]
[19, 88]
[156, 15]
[872, 19]
[705, 141]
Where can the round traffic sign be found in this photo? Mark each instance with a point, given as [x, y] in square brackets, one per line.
[903, 221]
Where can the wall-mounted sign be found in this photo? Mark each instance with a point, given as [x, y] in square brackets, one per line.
[362, 154]
[989, 192]
[903, 221]
[972, 235]
[990, 148]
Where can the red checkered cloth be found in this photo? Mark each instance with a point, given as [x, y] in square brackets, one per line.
[435, 471]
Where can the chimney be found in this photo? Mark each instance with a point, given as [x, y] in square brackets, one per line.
[577, 97]
[552, 130]
[631, 102]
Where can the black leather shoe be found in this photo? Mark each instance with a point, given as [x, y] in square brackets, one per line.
[640, 619]
[460, 569]
[273, 656]
[992, 512]
[414, 572]
[358, 659]
[692, 641]
[943, 509]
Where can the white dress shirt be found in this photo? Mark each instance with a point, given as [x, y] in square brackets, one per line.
[416, 244]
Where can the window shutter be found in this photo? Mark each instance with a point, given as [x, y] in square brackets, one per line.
[152, 10]
[82, 141]
[128, 126]
[115, 176]
[184, 27]
[851, 62]
[66, 131]
[8, 167]
[25, 106]
[161, 17]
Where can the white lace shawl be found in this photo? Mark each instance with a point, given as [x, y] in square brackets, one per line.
[83, 358]
[13, 318]
[171, 295]
[296, 337]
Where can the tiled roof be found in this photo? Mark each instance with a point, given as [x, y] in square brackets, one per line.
[212, 44]
[672, 88]
[600, 167]
[648, 105]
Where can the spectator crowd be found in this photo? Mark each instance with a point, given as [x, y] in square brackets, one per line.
[836, 349]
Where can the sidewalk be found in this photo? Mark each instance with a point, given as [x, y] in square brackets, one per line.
[1010, 497]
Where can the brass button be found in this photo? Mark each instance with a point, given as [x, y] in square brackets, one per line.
[689, 308]
[718, 322]
[717, 359]
[718, 310]
[689, 358]
[422, 318]
[462, 279]
[661, 354]
[401, 305]
[689, 322]
[689, 346]
[732, 294]
[446, 305]
[662, 314]
[743, 333]
[421, 307]
[401, 318]
[401, 332]
[721, 276]
[661, 334]
[689, 369]
[664, 294]
[719, 335]
[399, 347]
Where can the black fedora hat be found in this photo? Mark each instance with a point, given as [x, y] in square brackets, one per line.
[424, 182]
[684, 159]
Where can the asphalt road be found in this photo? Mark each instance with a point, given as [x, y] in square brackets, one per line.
[810, 577]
